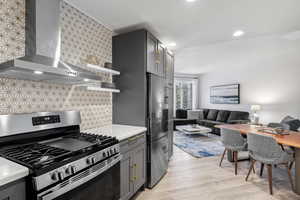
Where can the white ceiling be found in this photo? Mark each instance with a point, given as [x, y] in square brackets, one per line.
[243, 53]
[202, 29]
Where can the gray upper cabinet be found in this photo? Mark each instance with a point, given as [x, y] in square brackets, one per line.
[169, 69]
[161, 60]
[151, 54]
[155, 56]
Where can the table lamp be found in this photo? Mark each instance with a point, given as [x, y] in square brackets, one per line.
[255, 109]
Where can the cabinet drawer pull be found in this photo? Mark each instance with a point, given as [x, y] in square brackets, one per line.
[132, 139]
[135, 138]
[131, 173]
[133, 168]
[136, 177]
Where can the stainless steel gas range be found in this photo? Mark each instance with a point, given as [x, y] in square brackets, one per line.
[64, 163]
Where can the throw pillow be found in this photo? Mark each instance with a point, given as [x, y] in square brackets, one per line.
[212, 115]
[237, 115]
[223, 115]
[205, 113]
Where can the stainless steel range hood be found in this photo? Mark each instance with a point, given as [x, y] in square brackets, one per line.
[43, 49]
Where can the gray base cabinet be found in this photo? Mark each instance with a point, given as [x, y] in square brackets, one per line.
[126, 176]
[139, 167]
[133, 165]
[13, 191]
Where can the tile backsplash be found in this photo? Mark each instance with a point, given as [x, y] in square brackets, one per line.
[81, 36]
[12, 29]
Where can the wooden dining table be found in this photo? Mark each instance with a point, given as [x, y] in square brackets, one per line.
[291, 139]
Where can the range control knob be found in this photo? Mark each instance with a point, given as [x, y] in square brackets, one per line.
[103, 154]
[61, 175]
[111, 151]
[73, 169]
[69, 170]
[54, 176]
[90, 160]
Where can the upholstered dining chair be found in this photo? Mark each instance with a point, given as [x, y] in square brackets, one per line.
[233, 141]
[285, 127]
[265, 149]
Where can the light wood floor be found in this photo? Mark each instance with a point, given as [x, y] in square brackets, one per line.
[189, 178]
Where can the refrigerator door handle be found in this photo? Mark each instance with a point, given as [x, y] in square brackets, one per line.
[165, 149]
[149, 124]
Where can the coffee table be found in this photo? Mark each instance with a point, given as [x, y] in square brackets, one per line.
[192, 129]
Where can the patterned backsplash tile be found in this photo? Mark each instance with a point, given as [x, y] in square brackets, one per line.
[12, 29]
[81, 36]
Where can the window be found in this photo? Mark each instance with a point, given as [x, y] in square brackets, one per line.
[185, 93]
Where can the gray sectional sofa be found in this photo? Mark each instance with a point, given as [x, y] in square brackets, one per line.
[211, 117]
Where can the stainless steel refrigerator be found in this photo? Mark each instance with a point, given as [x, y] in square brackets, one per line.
[157, 136]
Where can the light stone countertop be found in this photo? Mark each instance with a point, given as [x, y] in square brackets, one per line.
[121, 132]
[10, 171]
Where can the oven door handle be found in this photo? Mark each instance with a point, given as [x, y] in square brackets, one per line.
[57, 191]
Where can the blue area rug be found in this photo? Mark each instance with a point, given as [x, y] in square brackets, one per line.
[199, 145]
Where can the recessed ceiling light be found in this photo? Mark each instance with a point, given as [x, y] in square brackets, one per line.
[38, 72]
[190, 0]
[172, 44]
[238, 33]
[86, 80]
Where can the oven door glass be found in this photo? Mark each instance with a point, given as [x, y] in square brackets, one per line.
[104, 187]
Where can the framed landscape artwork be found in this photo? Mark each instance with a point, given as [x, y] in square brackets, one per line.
[225, 94]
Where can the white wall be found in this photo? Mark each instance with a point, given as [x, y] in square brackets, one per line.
[271, 80]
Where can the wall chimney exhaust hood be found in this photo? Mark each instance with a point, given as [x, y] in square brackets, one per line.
[42, 49]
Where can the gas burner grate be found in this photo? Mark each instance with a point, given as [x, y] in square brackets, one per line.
[36, 155]
[95, 138]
